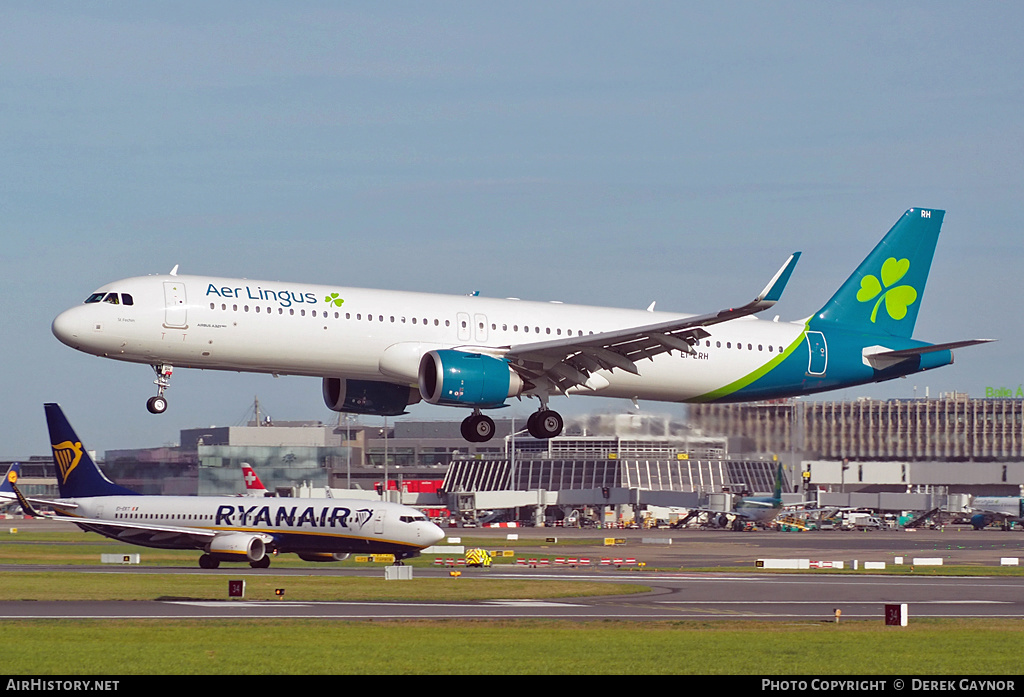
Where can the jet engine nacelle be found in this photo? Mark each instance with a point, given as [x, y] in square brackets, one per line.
[368, 396]
[238, 545]
[457, 378]
[324, 556]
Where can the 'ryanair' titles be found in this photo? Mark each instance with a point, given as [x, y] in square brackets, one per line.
[314, 517]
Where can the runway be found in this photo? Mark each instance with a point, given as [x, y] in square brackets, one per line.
[673, 597]
[675, 594]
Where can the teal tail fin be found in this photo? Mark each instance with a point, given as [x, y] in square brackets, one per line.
[884, 294]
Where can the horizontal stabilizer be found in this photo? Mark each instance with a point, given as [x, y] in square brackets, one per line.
[880, 358]
[918, 350]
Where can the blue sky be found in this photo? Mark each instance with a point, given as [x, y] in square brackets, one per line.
[590, 152]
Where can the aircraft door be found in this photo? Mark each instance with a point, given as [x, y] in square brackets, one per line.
[480, 327]
[175, 307]
[378, 521]
[818, 350]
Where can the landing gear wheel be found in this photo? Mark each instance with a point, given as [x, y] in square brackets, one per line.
[208, 562]
[158, 405]
[545, 424]
[478, 428]
[263, 563]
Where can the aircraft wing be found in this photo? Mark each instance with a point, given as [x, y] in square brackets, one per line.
[126, 530]
[569, 362]
[763, 504]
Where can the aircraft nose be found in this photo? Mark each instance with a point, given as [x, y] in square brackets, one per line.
[66, 328]
[435, 534]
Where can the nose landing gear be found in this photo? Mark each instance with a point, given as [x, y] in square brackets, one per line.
[158, 404]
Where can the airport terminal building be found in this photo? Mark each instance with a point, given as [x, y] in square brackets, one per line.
[878, 453]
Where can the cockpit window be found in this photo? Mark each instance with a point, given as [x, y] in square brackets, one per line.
[112, 298]
[411, 518]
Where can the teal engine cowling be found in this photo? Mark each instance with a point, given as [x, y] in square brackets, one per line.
[460, 379]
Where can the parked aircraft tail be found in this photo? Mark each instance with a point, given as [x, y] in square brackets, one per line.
[13, 472]
[884, 294]
[77, 473]
[777, 492]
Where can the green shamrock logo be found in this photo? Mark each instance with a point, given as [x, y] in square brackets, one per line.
[334, 299]
[897, 298]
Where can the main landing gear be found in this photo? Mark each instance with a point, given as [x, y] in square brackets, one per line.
[543, 424]
[477, 428]
[208, 561]
[158, 404]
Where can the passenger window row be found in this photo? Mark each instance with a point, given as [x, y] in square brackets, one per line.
[426, 322]
[750, 347]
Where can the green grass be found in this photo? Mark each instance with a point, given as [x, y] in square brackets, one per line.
[184, 647]
[215, 646]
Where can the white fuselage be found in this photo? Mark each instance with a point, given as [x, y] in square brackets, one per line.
[332, 331]
[297, 525]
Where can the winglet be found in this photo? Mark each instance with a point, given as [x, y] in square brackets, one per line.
[26, 507]
[773, 291]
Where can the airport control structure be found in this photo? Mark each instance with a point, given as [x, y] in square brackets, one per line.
[924, 459]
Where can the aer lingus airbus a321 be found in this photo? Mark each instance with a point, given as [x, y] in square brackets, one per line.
[379, 351]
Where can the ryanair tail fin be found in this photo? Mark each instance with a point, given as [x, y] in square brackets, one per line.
[884, 294]
[77, 473]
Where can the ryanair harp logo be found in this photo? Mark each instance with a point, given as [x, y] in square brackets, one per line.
[67, 456]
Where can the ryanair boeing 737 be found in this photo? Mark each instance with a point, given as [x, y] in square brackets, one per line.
[225, 528]
[379, 351]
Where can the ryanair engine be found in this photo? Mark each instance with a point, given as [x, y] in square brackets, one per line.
[368, 396]
[460, 379]
[238, 546]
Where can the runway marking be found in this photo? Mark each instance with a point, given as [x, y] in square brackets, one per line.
[263, 604]
[530, 603]
[833, 602]
[691, 613]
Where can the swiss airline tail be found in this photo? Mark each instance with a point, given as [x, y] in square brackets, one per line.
[253, 485]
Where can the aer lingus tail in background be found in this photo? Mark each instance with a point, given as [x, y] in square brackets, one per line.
[379, 351]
